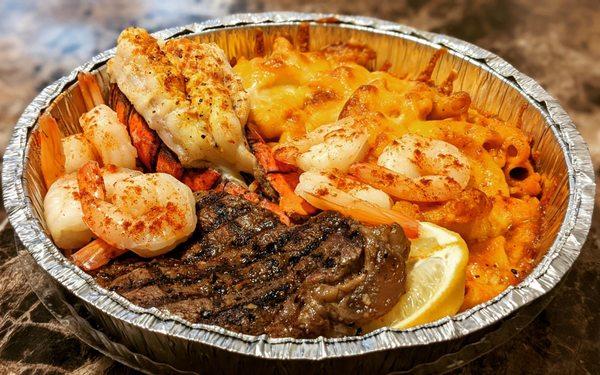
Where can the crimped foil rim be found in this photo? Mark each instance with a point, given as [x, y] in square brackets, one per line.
[554, 265]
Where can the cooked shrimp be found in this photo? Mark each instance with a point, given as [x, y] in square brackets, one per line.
[320, 183]
[332, 146]
[62, 209]
[110, 138]
[148, 214]
[187, 93]
[359, 201]
[63, 215]
[417, 169]
[78, 151]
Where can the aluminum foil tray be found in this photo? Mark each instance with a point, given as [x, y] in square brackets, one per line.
[494, 85]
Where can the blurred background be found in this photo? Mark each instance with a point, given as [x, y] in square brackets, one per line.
[556, 42]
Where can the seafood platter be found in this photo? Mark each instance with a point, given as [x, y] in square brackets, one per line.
[299, 191]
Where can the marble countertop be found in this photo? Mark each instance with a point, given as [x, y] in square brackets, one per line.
[556, 43]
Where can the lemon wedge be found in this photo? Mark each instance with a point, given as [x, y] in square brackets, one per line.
[435, 282]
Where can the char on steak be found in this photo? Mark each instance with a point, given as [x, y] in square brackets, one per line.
[246, 271]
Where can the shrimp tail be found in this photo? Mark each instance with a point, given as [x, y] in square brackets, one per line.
[51, 151]
[277, 179]
[95, 255]
[90, 90]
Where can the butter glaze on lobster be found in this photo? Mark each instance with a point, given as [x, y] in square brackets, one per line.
[188, 94]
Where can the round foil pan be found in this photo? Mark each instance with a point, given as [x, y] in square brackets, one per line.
[494, 85]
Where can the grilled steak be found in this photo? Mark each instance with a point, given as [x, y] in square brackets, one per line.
[245, 271]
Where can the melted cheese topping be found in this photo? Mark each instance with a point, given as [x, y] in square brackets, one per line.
[292, 92]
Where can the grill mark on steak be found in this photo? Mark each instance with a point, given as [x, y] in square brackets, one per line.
[245, 271]
[275, 272]
[291, 248]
